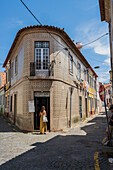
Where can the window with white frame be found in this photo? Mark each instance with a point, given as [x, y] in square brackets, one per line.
[71, 64]
[41, 55]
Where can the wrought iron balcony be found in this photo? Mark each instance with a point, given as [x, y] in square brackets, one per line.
[42, 69]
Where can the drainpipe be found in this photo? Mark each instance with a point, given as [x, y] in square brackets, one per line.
[110, 38]
[71, 91]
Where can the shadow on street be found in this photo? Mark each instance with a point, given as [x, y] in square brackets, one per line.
[65, 151]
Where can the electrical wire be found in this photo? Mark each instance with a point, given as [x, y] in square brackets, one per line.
[95, 40]
[41, 24]
[51, 34]
[54, 37]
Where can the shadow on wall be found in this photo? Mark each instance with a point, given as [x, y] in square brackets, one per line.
[63, 151]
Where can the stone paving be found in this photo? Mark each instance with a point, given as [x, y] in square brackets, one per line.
[72, 149]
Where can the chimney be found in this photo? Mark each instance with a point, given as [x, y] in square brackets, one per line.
[79, 45]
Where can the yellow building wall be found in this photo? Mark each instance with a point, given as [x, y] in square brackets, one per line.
[91, 94]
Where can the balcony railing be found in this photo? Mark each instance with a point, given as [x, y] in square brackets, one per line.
[38, 72]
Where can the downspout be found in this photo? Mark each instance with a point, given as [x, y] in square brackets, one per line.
[71, 91]
[111, 57]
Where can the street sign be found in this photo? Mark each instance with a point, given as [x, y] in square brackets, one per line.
[102, 97]
[31, 106]
[102, 92]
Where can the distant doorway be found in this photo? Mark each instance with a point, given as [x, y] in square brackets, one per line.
[39, 102]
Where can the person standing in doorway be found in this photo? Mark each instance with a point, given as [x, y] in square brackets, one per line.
[43, 124]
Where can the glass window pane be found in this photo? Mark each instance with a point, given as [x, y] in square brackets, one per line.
[41, 44]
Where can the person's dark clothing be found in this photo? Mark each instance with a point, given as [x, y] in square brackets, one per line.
[110, 122]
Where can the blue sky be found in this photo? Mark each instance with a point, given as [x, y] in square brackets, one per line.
[80, 19]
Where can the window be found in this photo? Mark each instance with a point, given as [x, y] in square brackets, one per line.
[87, 76]
[6, 77]
[90, 80]
[11, 102]
[79, 70]
[16, 64]
[84, 74]
[80, 107]
[41, 55]
[12, 70]
[95, 84]
[71, 64]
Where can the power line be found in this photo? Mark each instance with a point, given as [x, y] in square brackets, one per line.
[41, 24]
[95, 39]
[51, 34]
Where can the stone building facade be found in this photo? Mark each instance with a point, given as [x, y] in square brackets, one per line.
[106, 13]
[47, 69]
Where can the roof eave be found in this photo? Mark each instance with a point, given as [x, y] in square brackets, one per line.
[105, 10]
[49, 28]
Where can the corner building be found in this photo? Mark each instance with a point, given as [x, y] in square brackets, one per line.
[44, 72]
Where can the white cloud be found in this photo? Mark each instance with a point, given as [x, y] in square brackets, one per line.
[107, 61]
[104, 76]
[91, 31]
[19, 22]
[15, 22]
[103, 80]
[101, 49]
[88, 32]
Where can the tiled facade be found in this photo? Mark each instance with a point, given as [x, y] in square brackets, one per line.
[64, 75]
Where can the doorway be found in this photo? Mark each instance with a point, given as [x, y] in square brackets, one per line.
[86, 107]
[80, 107]
[15, 107]
[39, 102]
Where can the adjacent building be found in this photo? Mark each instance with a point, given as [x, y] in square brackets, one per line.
[108, 94]
[48, 69]
[2, 93]
[99, 102]
[106, 12]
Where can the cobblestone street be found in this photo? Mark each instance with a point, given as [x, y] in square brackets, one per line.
[76, 148]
